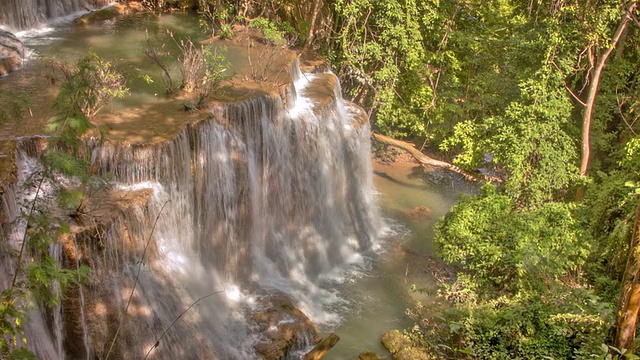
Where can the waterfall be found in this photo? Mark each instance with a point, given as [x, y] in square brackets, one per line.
[24, 14]
[267, 196]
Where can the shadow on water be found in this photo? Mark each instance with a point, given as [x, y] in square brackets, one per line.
[397, 181]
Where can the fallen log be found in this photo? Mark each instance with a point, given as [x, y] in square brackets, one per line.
[323, 347]
[427, 161]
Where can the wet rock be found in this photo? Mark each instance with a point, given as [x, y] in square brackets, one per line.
[284, 328]
[11, 52]
[322, 348]
[402, 347]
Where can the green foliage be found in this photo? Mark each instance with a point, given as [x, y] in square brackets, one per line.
[214, 72]
[531, 141]
[509, 249]
[561, 324]
[610, 206]
[276, 33]
[69, 180]
[382, 60]
[13, 105]
[89, 85]
[218, 19]
[517, 295]
[226, 32]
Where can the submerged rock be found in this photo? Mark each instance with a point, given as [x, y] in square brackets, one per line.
[11, 52]
[284, 327]
[419, 213]
[368, 355]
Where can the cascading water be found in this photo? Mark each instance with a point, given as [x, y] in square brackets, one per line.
[268, 196]
[273, 199]
[25, 14]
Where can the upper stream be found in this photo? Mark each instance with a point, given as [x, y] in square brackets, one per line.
[270, 193]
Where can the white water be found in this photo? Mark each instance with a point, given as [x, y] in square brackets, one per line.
[271, 201]
[27, 14]
[277, 200]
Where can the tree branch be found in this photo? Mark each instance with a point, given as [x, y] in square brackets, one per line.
[427, 161]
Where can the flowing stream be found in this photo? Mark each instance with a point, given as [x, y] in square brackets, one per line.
[272, 194]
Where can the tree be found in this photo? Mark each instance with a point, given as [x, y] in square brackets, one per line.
[629, 294]
[598, 55]
[312, 24]
[629, 303]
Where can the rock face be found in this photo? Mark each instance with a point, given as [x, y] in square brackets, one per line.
[284, 327]
[11, 52]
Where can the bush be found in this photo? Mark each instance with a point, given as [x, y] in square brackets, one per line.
[561, 324]
[508, 249]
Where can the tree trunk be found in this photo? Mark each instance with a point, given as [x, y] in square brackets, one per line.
[594, 84]
[427, 161]
[312, 22]
[629, 302]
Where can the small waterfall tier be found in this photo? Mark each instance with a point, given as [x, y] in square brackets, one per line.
[265, 196]
[25, 14]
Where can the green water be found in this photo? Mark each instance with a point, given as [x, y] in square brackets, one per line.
[378, 298]
[123, 42]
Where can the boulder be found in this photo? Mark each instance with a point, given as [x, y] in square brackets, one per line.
[282, 326]
[11, 52]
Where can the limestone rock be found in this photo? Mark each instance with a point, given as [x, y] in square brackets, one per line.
[282, 326]
[11, 52]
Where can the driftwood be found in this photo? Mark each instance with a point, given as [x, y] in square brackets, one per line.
[323, 347]
[427, 161]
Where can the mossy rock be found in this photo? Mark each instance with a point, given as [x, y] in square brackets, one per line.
[109, 13]
[100, 15]
[402, 347]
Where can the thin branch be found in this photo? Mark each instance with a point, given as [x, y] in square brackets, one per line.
[427, 161]
[135, 283]
[575, 96]
[157, 343]
[26, 230]
[624, 118]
